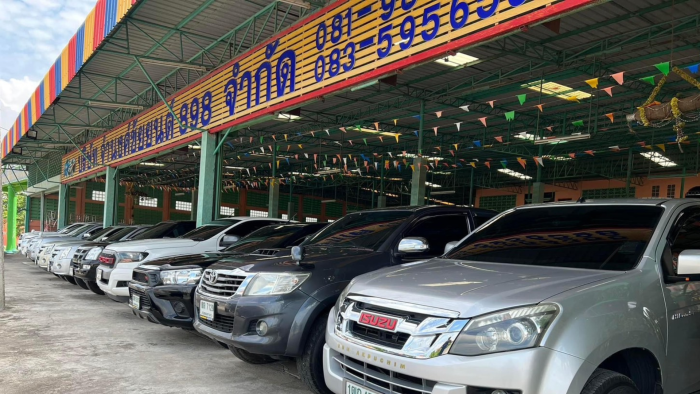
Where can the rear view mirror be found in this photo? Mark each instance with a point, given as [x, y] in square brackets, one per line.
[450, 246]
[229, 240]
[689, 262]
[414, 245]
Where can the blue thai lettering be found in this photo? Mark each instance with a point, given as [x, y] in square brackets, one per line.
[231, 90]
[246, 77]
[286, 71]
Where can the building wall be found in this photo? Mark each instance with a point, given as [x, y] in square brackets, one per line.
[593, 189]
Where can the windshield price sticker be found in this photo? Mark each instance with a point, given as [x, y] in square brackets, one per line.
[544, 239]
[347, 43]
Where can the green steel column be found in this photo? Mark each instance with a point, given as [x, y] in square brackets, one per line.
[63, 198]
[11, 219]
[421, 123]
[42, 211]
[274, 191]
[381, 201]
[419, 166]
[193, 212]
[109, 217]
[471, 189]
[206, 203]
[27, 213]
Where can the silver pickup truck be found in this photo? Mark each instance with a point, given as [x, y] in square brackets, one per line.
[598, 297]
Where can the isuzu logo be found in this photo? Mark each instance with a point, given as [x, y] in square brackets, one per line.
[378, 321]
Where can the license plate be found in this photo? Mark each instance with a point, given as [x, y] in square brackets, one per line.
[352, 388]
[98, 276]
[70, 270]
[206, 310]
[135, 302]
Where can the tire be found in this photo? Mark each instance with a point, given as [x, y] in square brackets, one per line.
[95, 288]
[251, 358]
[70, 280]
[310, 363]
[604, 381]
[81, 283]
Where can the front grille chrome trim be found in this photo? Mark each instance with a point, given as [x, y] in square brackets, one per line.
[222, 284]
[362, 370]
[405, 306]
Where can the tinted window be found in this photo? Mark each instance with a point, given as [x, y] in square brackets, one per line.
[480, 219]
[121, 233]
[182, 228]
[248, 227]
[160, 230]
[268, 237]
[79, 230]
[70, 228]
[589, 237]
[685, 236]
[362, 229]
[205, 232]
[439, 230]
[99, 233]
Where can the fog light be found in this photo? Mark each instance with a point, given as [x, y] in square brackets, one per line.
[499, 392]
[261, 328]
[59, 266]
[179, 307]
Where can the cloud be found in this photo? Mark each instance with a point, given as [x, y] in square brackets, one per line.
[32, 35]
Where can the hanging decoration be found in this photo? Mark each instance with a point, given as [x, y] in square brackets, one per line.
[619, 77]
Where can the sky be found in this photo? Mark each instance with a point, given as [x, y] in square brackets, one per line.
[32, 35]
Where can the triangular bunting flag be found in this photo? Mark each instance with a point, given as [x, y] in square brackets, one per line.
[438, 114]
[376, 125]
[665, 67]
[458, 124]
[381, 139]
[694, 68]
[540, 107]
[608, 90]
[619, 77]
[611, 116]
[491, 103]
[589, 152]
[578, 123]
[465, 108]
[510, 115]
[499, 139]
[483, 121]
[487, 164]
[456, 146]
[538, 160]
[522, 162]
[573, 99]
[365, 140]
[572, 155]
[471, 163]
[662, 147]
[504, 163]
[650, 80]
[477, 143]
[549, 128]
[397, 138]
[343, 129]
[395, 120]
[592, 83]
[522, 98]
[435, 130]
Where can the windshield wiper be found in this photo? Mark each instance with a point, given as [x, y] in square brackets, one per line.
[346, 244]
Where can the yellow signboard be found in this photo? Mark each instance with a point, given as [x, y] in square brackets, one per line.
[346, 44]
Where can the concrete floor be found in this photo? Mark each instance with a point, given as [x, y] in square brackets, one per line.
[58, 338]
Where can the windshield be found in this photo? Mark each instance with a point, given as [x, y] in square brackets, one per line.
[156, 231]
[205, 232]
[611, 237]
[100, 234]
[363, 230]
[68, 229]
[120, 234]
[79, 230]
[266, 238]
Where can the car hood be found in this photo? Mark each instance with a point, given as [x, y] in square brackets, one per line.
[473, 288]
[151, 244]
[72, 242]
[189, 259]
[58, 238]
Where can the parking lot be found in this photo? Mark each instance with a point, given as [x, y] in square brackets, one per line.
[58, 338]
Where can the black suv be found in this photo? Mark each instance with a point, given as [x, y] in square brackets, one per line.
[85, 260]
[162, 291]
[278, 308]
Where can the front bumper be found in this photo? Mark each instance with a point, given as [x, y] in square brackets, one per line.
[115, 281]
[62, 267]
[169, 305]
[235, 320]
[530, 371]
[86, 274]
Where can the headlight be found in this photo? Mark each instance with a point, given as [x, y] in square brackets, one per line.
[65, 253]
[177, 277]
[514, 329]
[272, 284]
[130, 257]
[343, 295]
[93, 254]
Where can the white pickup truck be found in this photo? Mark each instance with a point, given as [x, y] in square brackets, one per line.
[118, 261]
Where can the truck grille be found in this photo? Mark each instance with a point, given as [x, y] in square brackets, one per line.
[79, 255]
[221, 323]
[394, 340]
[378, 378]
[145, 299]
[266, 252]
[221, 283]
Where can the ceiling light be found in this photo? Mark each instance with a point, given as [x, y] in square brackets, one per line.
[328, 172]
[659, 159]
[557, 158]
[561, 140]
[234, 168]
[373, 131]
[152, 164]
[525, 136]
[287, 117]
[413, 155]
[168, 63]
[327, 201]
[456, 60]
[110, 105]
[194, 146]
[557, 90]
[432, 184]
[514, 173]
[442, 192]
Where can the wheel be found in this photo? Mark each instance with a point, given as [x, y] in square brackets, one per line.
[70, 280]
[81, 283]
[604, 381]
[310, 363]
[251, 358]
[95, 288]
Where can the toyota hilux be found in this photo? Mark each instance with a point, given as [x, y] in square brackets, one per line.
[86, 258]
[277, 308]
[162, 291]
[597, 297]
[118, 261]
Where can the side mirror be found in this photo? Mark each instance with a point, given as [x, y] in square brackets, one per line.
[450, 246]
[86, 235]
[229, 240]
[689, 262]
[104, 239]
[414, 245]
[297, 253]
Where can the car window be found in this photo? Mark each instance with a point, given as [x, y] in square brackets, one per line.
[100, 232]
[248, 227]
[204, 232]
[79, 230]
[603, 237]
[439, 230]
[157, 231]
[481, 218]
[684, 236]
[183, 228]
[362, 229]
[119, 234]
